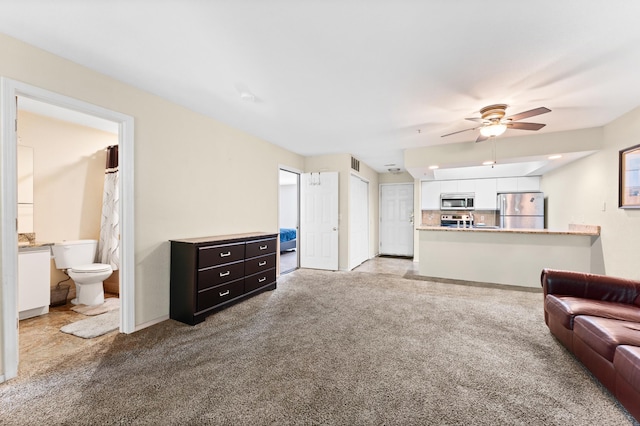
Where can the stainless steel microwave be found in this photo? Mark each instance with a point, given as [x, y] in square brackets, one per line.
[457, 201]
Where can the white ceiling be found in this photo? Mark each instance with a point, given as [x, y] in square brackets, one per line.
[359, 76]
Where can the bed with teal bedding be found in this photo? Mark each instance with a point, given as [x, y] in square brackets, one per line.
[288, 239]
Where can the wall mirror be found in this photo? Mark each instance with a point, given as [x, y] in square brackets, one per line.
[25, 189]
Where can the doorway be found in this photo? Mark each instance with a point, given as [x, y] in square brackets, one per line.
[289, 220]
[396, 219]
[10, 91]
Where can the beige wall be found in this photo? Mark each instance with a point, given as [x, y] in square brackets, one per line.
[69, 163]
[586, 192]
[194, 176]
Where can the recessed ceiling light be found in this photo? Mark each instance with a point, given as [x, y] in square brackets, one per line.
[433, 167]
[248, 97]
[555, 157]
[488, 163]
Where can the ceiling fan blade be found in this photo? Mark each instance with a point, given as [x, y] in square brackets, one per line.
[525, 126]
[481, 138]
[459, 131]
[478, 119]
[527, 114]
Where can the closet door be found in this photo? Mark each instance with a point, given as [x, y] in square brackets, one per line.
[358, 222]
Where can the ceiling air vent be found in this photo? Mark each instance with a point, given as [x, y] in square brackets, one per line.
[355, 164]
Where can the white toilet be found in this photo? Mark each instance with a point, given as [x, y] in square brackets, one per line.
[77, 258]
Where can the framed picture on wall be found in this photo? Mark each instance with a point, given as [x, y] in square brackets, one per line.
[629, 178]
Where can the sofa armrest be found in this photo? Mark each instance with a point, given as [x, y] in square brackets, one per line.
[590, 286]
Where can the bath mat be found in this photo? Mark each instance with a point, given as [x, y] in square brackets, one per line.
[109, 304]
[95, 326]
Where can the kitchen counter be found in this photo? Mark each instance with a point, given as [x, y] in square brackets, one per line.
[507, 256]
[592, 231]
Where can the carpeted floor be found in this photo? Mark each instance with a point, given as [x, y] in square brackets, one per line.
[330, 348]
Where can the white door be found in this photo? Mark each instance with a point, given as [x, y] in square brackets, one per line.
[396, 219]
[319, 221]
[358, 222]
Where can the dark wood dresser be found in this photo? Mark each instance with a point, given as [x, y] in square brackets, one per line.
[210, 273]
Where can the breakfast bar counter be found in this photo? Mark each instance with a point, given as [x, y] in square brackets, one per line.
[507, 256]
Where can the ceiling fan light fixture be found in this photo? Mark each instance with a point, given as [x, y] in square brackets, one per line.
[493, 130]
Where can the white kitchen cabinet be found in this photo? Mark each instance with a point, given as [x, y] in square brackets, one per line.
[509, 184]
[467, 185]
[518, 184]
[485, 194]
[449, 186]
[529, 183]
[34, 293]
[430, 195]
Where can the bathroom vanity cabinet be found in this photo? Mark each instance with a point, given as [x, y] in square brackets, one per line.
[34, 293]
[210, 273]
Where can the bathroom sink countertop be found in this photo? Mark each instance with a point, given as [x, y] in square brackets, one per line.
[37, 245]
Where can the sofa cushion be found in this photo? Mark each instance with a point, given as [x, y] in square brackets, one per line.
[565, 308]
[604, 335]
[591, 286]
[627, 363]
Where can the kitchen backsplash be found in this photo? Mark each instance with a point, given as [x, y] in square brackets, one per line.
[432, 217]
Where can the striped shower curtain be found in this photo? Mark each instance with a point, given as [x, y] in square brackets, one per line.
[108, 247]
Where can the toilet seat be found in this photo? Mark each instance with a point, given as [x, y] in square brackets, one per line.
[91, 268]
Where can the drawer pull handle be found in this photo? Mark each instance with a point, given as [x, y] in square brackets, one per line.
[263, 279]
[224, 274]
[262, 263]
[224, 293]
[263, 247]
[225, 254]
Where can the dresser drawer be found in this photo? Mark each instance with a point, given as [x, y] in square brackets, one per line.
[217, 275]
[217, 255]
[261, 247]
[220, 294]
[259, 280]
[259, 264]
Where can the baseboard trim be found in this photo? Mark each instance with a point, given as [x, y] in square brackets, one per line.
[152, 322]
[411, 276]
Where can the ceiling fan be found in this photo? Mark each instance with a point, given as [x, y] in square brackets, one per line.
[494, 123]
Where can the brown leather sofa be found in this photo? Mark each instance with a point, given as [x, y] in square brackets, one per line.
[597, 318]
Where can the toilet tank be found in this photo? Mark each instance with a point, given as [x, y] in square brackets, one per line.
[68, 254]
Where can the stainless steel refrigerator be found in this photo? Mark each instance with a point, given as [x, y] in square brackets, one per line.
[521, 210]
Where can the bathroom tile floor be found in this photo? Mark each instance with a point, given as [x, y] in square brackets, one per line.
[42, 345]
